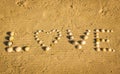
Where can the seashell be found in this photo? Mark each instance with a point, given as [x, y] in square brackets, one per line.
[18, 49]
[110, 50]
[57, 30]
[97, 45]
[40, 41]
[111, 30]
[10, 43]
[97, 30]
[104, 49]
[39, 31]
[85, 37]
[103, 30]
[68, 30]
[78, 46]
[55, 41]
[37, 39]
[36, 36]
[83, 42]
[47, 48]
[71, 37]
[88, 30]
[53, 30]
[11, 38]
[70, 34]
[42, 45]
[36, 33]
[98, 49]
[87, 33]
[57, 38]
[102, 40]
[27, 48]
[59, 35]
[10, 49]
[107, 40]
[75, 43]
[12, 33]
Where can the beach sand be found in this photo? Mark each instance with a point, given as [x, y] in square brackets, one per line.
[24, 17]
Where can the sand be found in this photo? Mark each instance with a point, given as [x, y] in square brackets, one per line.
[24, 17]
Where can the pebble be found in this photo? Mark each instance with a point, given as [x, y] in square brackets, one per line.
[78, 46]
[10, 49]
[10, 43]
[27, 48]
[18, 49]
[11, 38]
[12, 33]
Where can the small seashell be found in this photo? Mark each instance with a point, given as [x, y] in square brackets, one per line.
[68, 30]
[107, 31]
[10, 49]
[103, 30]
[97, 37]
[12, 33]
[37, 39]
[27, 48]
[97, 34]
[87, 33]
[109, 49]
[39, 31]
[104, 49]
[55, 41]
[78, 46]
[10, 43]
[75, 43]
[83, 42]
[98, 49]
[102, 40]
[97, 45]
[59, 35]
[111, 30]
[11, 38]
[47, 48]
[40, 41]
[107, 40]
[88, 30]
[71, 37]
[97, 30]
[85, 37]
[36, 33]
[42, 45]
[36, 36]
[18, 49]
[57, 38]
[70, 34]
[57, 30]
[53, 30]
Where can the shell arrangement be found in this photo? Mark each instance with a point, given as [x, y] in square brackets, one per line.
[78, 44]
[98, 40]
[9, 44]
[41, 42]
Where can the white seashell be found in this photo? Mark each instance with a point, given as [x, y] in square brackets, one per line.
[85, 37]
[37, 39]
[36, 33]
[107, 40]
[83, 42]
[58, 38]
[40, 41]
[27, 48]
[10, 49]
[47, 48]
[36, 36]
[68, 30]
[39, 31]
[71, 37]
[113, 50]
[42, 45]
[57, 30]
[59, 35]
[55, 41]
[10, 43]
[110, 50]
[97, 43]
[108, 31]
[78, 46]
[97, 36]
[87, 33]
[97, 30]
[53, 30]
[75, 43]
[12, 33]
[104, 49]
[111, 30]
[103, 30]
[88, 30]
[11, 38]
[102, 40]
[70, 34]
[98, 49]
[18, 49]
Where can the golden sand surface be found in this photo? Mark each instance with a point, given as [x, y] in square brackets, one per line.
[24, 17]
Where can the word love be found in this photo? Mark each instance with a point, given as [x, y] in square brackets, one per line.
[78, 44]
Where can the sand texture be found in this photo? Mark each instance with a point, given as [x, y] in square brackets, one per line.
[24, 17]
